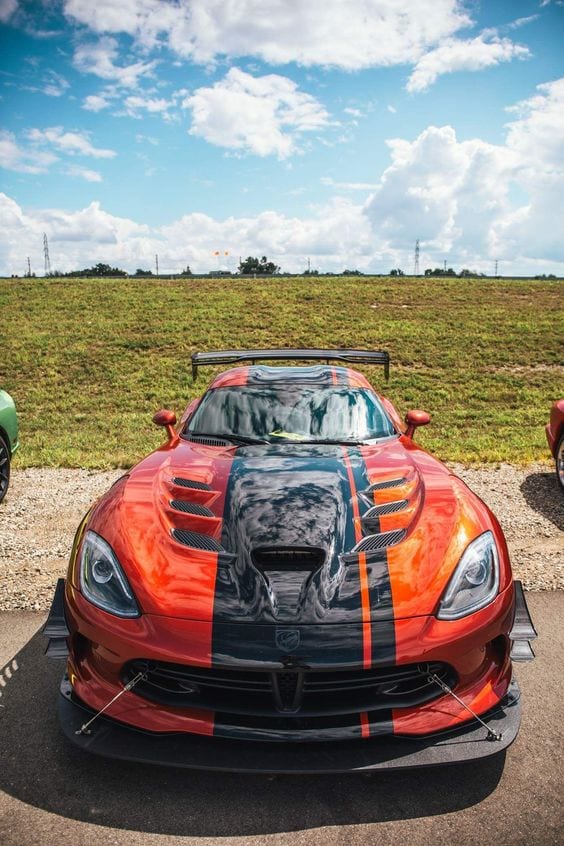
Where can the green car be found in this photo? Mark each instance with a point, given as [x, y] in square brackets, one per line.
[8, 439]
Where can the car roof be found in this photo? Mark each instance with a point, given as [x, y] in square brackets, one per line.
[318, 374]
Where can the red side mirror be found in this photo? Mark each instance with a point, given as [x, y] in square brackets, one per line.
[166, 418]
[414, 419]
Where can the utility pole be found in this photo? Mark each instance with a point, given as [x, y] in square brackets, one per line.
[416, 270]
[157, 262]
[495, 269]
[308, 265]
[46, 254]
[444, 265]
[28, 267]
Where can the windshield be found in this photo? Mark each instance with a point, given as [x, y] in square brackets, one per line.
[292, 412]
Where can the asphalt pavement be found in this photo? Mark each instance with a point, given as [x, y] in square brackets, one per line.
[51, 793]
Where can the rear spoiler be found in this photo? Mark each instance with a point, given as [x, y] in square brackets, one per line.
[200, 359]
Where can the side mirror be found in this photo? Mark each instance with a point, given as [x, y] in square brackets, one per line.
[166, 418]
[414, 419]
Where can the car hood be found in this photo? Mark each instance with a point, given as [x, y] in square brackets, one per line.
[289, 533]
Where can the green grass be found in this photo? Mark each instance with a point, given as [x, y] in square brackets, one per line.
[89, 361]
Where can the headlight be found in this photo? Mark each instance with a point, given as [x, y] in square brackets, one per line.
[475, 581]
[102, 581]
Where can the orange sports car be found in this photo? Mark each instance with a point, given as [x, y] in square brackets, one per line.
[290, 584]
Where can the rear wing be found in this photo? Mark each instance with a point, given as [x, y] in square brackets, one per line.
[199, 359]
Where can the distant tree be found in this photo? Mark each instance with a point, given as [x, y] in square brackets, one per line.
[311, 273]
[440, 271]
[397, 271]
[186, 271]
[348, 272]
[99, 269]
[253, 265]
[141, 272]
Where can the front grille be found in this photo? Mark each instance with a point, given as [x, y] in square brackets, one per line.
[191, 508]
[288, 694]
[381, 541]
[196, 540]
[190, 483]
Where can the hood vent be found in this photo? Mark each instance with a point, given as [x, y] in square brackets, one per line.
[196, 540]
[190, 483]
[202, 439]
[288, 558]
[381, 541]
[387, 508]
[391, 483]
[191, 508]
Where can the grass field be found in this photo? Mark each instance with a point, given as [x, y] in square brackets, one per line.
[89, 361]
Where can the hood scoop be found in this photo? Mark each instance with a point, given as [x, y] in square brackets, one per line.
[294, 558]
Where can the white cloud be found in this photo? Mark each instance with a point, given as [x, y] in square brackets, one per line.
[455, 54]
[136, 104]
[72, 143]
[95, 103]
[458, 197]
[99, 58]
[352, 35]
[348, 186]
[14, 157]
[84, 173]
[263, 115]
[7, 9]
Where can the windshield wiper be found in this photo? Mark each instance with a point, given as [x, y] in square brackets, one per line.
[237, 439]
[333, 441]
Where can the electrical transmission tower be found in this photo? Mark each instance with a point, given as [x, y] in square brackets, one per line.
[416, 270]
[495, 268]
[46, 254]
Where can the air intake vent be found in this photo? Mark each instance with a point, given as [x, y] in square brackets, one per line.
[372, 542]
[288, 558]
[387, 508]
[191, 508]
[391, 483]
[196, 540]
[201, 439]
[190, 483]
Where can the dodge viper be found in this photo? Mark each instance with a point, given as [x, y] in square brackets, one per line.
[8, 439]
[290, 584]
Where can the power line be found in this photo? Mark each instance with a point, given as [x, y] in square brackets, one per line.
[46, 254]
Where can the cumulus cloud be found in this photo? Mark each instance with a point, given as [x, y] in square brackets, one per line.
[71, 143]
[99, 58]
[455, 54]
[95, 103]
[352, 35]
[15, 157]
[456, 196]
[263, 115]
[136, 104]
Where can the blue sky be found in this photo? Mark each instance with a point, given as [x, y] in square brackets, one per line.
[338, 132]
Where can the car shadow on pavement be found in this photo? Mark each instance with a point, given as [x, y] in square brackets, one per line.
[542, 493]
[39, 767]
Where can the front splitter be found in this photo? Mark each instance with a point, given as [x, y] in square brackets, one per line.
[111, 739]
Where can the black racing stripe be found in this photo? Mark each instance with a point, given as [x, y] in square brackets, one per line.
[379, 584]
[267, 503]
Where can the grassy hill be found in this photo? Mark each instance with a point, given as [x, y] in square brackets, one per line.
[88, 361]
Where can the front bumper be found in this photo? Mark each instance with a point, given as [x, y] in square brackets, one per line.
[116, 740]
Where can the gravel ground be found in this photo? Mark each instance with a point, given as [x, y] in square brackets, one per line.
[39, 516]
